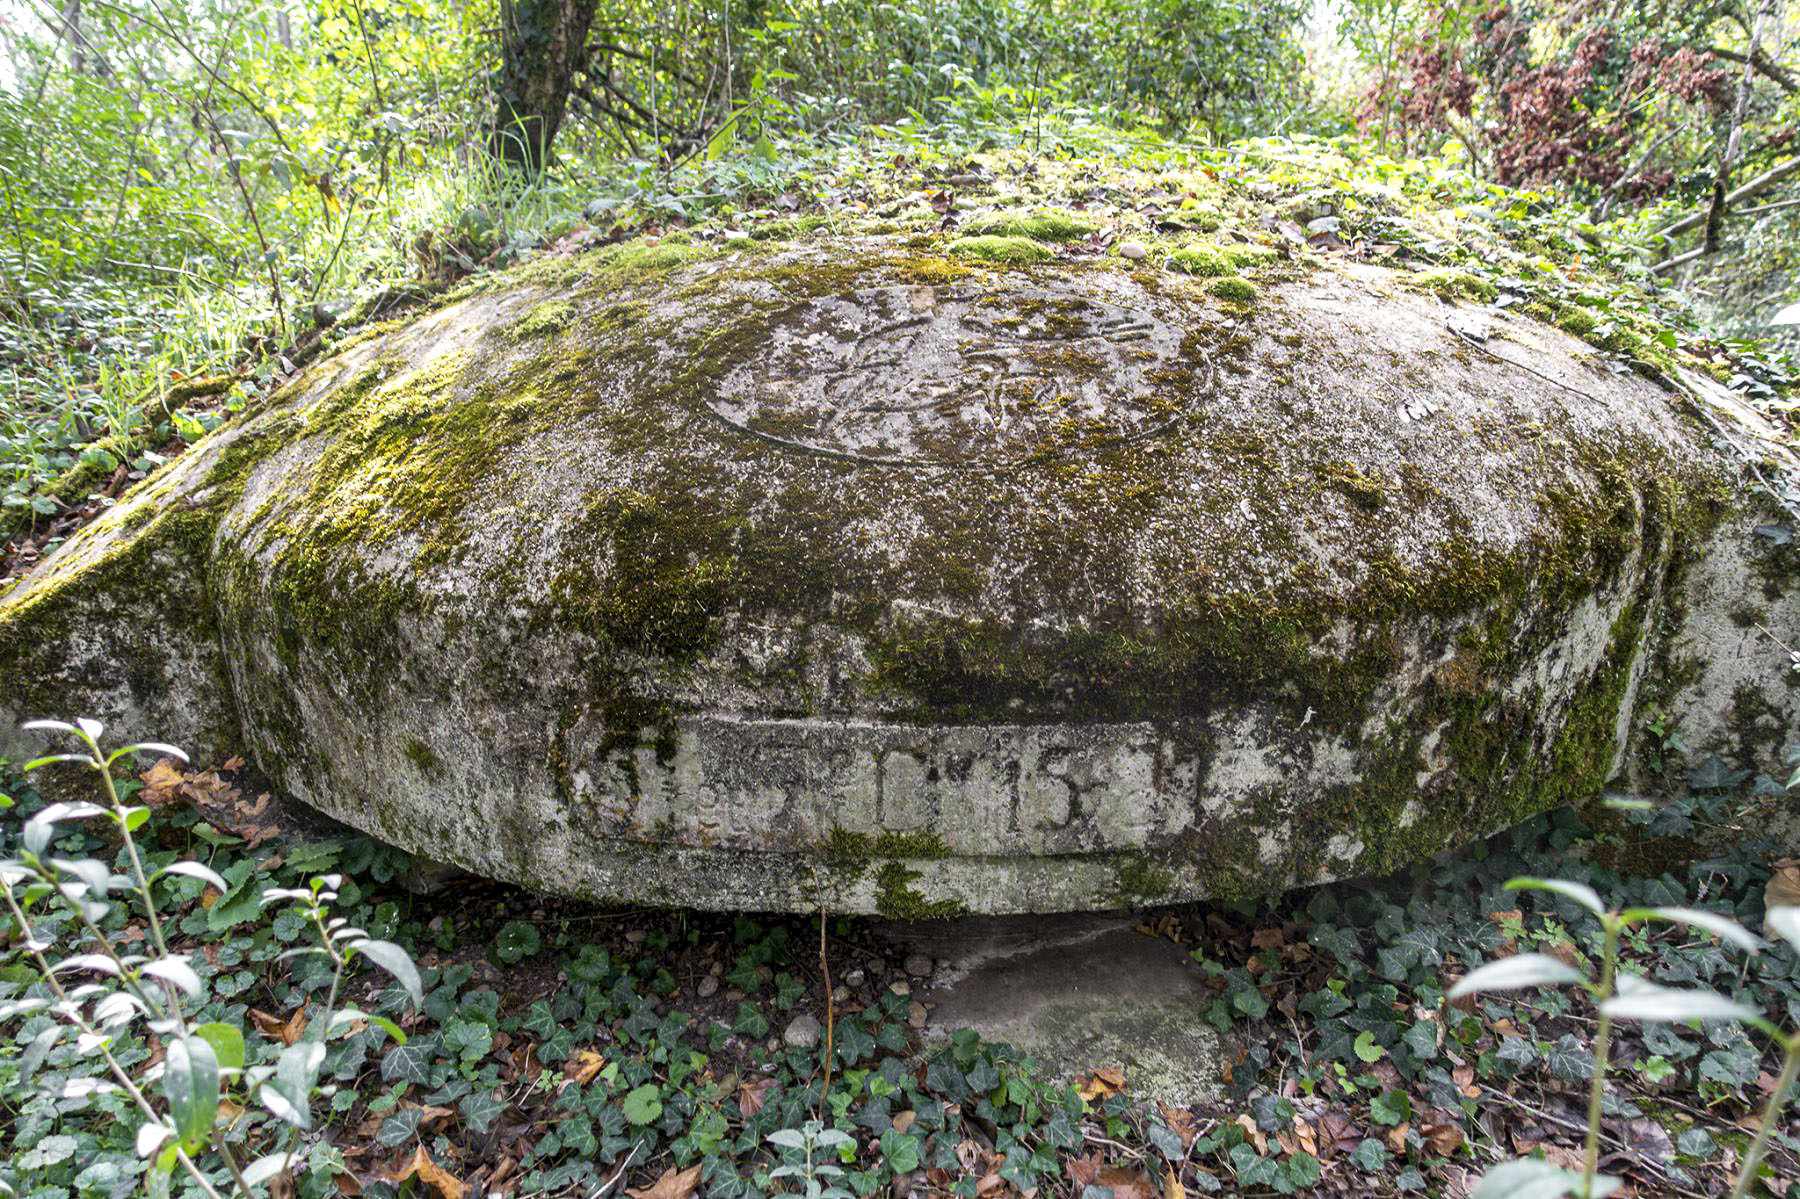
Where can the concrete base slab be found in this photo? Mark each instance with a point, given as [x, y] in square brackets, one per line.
[1078, 992]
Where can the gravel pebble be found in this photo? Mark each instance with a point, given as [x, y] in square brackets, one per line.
[802, 1032]
[709, 986]
[919, 965]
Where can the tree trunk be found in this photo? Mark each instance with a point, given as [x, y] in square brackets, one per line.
[541, 45]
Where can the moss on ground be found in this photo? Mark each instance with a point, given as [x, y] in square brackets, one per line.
[1010, 251]
[1046, 224]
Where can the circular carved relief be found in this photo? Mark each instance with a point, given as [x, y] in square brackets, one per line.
[958, 375]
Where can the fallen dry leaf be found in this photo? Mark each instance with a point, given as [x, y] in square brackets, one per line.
[1126, 1184]
[1253, 1134]
[752, 1096]
[1445, 1138]
[584, 1066]
[421, 1166]
[671, 1185]
[904, 1120]
[1181, 1122]
[1783, 890]
[1172, 1188]
[1101, 1084]
[162, 783]
[288, 1030]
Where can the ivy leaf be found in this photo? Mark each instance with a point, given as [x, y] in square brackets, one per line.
[1390, 1107]
[854, 1044]
[643, 1104]
[410, 1062]
[517, 941]
[1570, 1060]
[750, 1021]
[1421, 1040]
[50, 1151]
[1366, 1048]
[900, 1150]
[481, 1109]
[1733, 1066]
[1371, 1155]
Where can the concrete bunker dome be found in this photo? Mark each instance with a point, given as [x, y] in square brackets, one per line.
[854, 574]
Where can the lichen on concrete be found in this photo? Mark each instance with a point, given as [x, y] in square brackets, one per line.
[868, 573]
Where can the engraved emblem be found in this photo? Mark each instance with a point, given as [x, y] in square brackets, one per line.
[959, 375]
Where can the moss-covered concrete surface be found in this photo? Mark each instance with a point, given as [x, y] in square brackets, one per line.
[881, 574]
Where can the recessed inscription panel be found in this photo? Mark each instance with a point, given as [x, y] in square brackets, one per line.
[959, 375]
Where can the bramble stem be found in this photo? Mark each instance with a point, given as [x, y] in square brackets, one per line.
[1771, 1114]
[1590, 1154]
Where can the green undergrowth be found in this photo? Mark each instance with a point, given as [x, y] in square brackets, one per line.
[579, 1044]
[1210, 212]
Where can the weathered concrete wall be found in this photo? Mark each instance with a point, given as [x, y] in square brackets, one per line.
[858, 576]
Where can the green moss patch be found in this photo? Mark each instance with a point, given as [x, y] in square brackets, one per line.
[1012, 251]
[1046, 224]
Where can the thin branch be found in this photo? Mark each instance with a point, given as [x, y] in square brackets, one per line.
[1761, 64]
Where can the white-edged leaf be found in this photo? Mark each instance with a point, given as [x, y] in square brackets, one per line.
[1722, 927]
[345, 1017]
[48, 726]
[47, 759]
[1641, 999]
[150, 747]
[1515, 974]
[150, 1135]
[87, 961]
[266, 1167]
[93, 728]
[89, 870]
[1581, 893]
[1534, 1178]
[177, 971]
[397, 962]
[206, 874]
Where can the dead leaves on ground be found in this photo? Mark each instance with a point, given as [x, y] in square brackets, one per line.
[446, 1184]
[212, 795]
[671, 1184]
[1101, 1084]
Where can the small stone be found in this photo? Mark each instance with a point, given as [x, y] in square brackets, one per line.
[709, 986]
[919, 965]
[636, 936]
[916, 1015]
[900, 988]
[840, 995]
[436, 925]
[855, 978]
[1131, 249]
[734, 995]
[717, 968]
[802, 1032]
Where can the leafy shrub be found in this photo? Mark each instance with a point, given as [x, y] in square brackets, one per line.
[107, 987]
